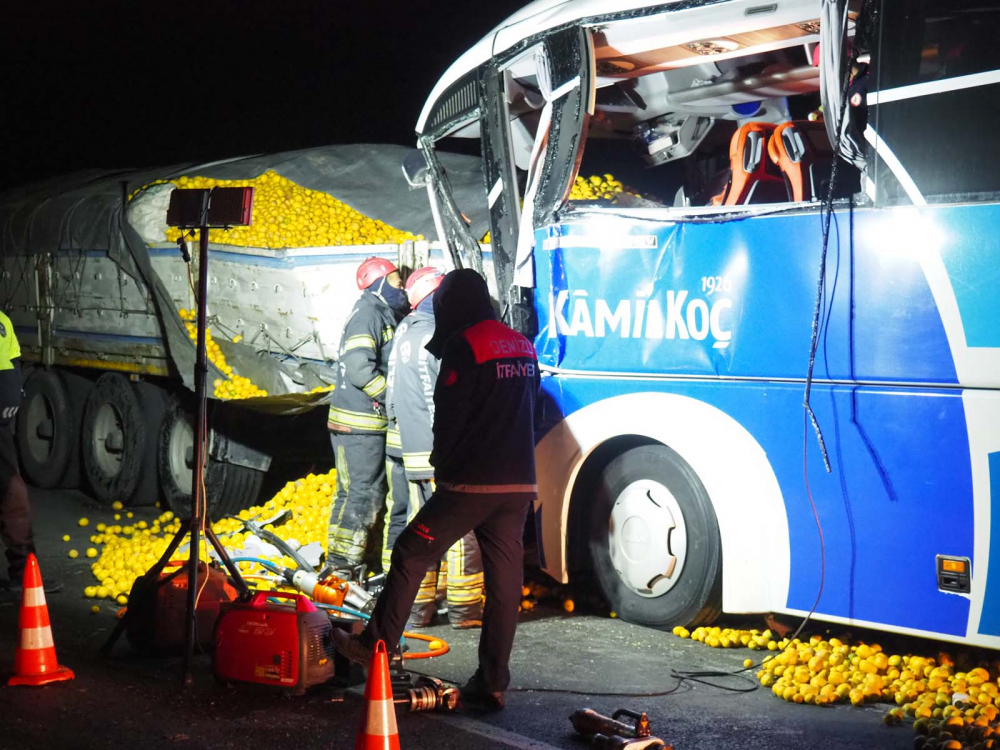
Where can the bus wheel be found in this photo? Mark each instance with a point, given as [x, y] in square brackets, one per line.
[114, 439]
[654, 540]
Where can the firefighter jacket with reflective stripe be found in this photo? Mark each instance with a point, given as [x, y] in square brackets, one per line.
[357, 404]
[484, 405]
[413, 372]
[10, 371]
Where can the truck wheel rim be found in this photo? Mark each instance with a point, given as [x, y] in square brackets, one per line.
[648, 538]
[40, 427]
[179, 457]
[109, 439]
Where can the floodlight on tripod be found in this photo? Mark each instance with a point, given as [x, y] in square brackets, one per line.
[204, 209]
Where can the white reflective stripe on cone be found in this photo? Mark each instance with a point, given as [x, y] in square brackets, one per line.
[34, 597]
[381, 718]
[33, 639]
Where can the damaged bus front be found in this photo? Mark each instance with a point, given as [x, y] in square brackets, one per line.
[707, 212]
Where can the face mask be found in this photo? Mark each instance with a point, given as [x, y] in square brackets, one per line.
[393, 297]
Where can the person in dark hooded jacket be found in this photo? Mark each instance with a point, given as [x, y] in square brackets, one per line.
[413, 373]
[484, 466]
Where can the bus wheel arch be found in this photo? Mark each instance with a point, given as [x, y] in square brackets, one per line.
[725, 458]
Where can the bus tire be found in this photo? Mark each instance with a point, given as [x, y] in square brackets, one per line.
[113, 439]
[650, 509]
[47, 431]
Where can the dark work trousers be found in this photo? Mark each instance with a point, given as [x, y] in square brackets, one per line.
[360, 494]
[498, 522]
[15, 513]
[397, 506]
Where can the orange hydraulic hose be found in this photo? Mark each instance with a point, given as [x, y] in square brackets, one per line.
[445, 648]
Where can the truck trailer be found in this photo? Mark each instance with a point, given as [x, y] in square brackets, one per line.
[102, 301]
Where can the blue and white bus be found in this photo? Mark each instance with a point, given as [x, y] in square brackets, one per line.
[679, 336]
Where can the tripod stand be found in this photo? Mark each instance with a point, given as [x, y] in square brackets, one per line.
[197, 523]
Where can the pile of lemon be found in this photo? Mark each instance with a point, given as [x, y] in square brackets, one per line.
[598, 187]
[289, 215]
[130, 549]
[235, 386]
[821, 670]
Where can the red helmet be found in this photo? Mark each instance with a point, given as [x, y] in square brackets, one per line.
[422, 282]
[373, 269]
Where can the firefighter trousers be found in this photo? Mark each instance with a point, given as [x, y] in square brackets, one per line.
[459, 576]
[360, 461]
[397, 506]
[15, 512]
[498, 523]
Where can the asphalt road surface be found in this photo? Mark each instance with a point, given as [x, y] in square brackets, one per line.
[131, 701]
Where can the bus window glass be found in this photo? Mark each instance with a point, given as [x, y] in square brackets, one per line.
[932, 40]
[933, 120]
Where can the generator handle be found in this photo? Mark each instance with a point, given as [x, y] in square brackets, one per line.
[302, 603]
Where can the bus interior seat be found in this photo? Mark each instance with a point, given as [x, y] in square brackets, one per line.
[753, 177]
[801, 150]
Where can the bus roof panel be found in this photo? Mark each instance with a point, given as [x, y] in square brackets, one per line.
[542, 15]
[532, 19]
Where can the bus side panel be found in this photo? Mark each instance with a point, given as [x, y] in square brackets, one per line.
[900, 492]
[737, 299]
[918, 269]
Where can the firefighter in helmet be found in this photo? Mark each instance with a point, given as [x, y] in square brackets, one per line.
[357, 418]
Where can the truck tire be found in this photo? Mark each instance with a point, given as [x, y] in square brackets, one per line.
[153, 402]
[229, 487]
[114, 439]
[654, 540]
[48, 428]
[79, 388]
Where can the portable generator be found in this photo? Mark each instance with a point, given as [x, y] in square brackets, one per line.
[155, 621]
[282, 645]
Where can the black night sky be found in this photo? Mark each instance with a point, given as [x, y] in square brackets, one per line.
[155, 82]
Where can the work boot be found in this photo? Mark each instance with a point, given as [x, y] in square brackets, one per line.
[474, 695]
[352, 647]
[466, 624]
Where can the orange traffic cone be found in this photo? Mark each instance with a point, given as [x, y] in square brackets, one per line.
[378, 721]
[35, 660]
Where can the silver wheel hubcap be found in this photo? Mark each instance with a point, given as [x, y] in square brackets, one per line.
[648, 538]
[180, 449]
[109, 439]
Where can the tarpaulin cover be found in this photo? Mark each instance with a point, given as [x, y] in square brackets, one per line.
[84, 211]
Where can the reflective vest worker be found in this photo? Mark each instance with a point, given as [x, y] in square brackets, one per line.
[15, 512]
[357, 419]
[413, 372]
[484, 468]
